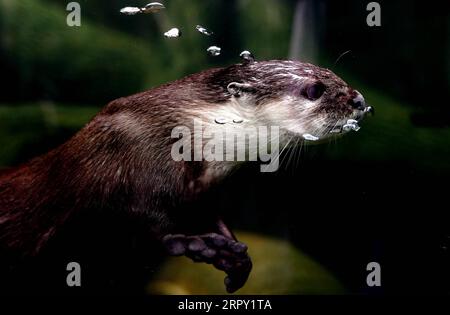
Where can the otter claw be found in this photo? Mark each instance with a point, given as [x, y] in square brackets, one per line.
[175, 244]
[209, 253]
[196, 244]
[238, 276]
[223, 253]
[238, 247]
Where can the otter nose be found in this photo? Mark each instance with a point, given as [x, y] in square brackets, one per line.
[358, 102]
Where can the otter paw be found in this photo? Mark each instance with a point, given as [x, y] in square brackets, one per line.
[223, 253]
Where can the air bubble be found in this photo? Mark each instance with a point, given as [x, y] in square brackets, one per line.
[214, 51]
[309, 137]
[153, 7]
[221, 121]
[351, 125]
[130, 10]
[247, 56]
[204, 30]
[173, 33]
[149, 8]
[347, 128]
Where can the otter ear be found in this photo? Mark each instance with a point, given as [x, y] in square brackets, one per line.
[237, 89]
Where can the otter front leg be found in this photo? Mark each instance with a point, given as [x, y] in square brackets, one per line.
[222, 250]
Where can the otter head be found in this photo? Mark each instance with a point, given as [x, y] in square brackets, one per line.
[304, 100]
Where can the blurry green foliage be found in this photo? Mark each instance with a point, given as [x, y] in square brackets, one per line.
[27, 130]
[268, 22]
[50, 60]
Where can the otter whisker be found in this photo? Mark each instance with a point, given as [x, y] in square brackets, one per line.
[282, 150]
[340, 57]
[293, 155]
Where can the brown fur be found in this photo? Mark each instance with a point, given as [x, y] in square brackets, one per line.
[120, 161]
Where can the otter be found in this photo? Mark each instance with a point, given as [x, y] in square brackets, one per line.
[121, 160]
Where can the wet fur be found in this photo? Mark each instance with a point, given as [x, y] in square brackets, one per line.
[120, 162]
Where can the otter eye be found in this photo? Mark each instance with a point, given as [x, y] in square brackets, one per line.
[314, 91]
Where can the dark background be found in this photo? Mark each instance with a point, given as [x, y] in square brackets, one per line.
[379, 195]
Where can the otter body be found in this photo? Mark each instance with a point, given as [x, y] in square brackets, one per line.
[121, 162]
